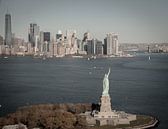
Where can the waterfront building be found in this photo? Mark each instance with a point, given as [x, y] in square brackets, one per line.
[70, 34]
[67, 50]
[91, 47]
[94, 47]
[54, 49]
[80, 47]
[41, 36]
[45, 47]
[36, 44]
[115, 44]
[8, 30]
[41, 42]
[47, 36]
[99, 48]
[31, 33]
[7, 50]
[1, 40]
[60, 49]
[18, 46]
[34, 31]
[79, 44]
[29, 48]
[51, 49]
[73, 46]
[111, 44]
[149, 49]
[108, 45]
[1, 49]
[86, 37]
[59, 36]
[68, 37]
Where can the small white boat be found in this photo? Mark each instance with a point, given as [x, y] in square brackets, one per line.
[5, 57]
[149, 58]
[77, 56]
[94, 57]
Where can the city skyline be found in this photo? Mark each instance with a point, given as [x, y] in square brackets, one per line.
[134, 21]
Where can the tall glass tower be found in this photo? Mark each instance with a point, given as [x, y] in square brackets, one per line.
[34, 31]
[8, 31]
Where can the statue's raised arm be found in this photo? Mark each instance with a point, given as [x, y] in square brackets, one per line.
[108, 72]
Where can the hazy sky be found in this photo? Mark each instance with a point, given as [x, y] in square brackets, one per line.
[134, 20]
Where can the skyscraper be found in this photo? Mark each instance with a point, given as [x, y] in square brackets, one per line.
[115, 43]
[108, 44]
[47, 36]
[34, 31]
[94, 47]
[41, 38]
[59, 36]
[8, 30]
[1, 40]
[84, 41]
[99, 47]
[111, 44]
[91, 47]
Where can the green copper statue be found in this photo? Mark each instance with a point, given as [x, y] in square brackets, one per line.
[106, 84]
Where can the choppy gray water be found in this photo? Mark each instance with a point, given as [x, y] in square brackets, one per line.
[137, 85]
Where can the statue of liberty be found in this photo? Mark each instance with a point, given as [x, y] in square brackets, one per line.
[106, 84]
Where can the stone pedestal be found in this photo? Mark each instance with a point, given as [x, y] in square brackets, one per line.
[105, 108]
[105, 104]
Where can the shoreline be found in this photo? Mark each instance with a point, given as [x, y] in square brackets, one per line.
[31, 115]
[152, 124]
[76, 56]
[71, 56]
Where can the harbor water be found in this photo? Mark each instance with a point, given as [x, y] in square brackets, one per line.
[137, 85]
